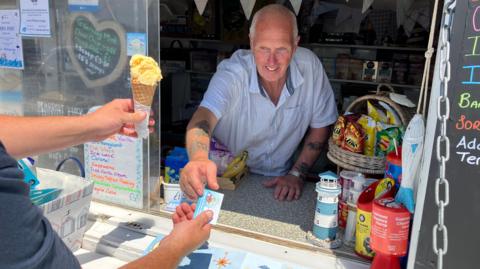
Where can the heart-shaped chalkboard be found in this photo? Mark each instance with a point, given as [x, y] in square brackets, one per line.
[97, 49]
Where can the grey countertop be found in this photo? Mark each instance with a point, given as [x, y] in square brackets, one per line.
[252, 207]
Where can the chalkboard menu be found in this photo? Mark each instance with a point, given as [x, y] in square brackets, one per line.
[96, 49]
[462, 215]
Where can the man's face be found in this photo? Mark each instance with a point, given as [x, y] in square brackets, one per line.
[273, 47]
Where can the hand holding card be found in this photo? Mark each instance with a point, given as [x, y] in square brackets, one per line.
[210, 200]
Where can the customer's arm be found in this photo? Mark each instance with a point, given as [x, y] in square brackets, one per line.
[289, 187]
[26, 136]
[187, 235]
[199, 169]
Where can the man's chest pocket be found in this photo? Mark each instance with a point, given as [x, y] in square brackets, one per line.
[291, 118]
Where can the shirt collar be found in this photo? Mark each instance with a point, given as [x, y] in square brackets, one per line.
[294, 79]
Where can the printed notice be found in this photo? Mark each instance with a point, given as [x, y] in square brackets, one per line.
[115, 165]
[11, 50]
[83, 5]
[136, 44]
[35, 18]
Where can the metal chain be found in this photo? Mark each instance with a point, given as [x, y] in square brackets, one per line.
[443, 142]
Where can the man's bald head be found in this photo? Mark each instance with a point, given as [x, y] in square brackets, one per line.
[275, 13]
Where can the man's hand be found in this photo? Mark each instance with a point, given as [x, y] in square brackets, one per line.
[116, 117]
[287, 187]
[195, 175]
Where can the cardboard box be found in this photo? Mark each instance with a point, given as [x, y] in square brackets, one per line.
[384, 72]
[68, 213]
[370, 69]
[341, 66]
[355, 69]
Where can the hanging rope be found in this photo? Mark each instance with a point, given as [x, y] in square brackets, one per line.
[422, 99]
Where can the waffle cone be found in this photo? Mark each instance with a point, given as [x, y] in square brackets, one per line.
[143, 93]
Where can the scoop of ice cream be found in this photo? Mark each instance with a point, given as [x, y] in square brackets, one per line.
[144, 70]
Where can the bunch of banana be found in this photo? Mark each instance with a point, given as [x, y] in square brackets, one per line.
[236, 165]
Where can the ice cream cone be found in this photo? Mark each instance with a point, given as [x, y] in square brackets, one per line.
[143, 94]
[145, 74]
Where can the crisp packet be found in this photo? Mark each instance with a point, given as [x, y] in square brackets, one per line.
[354, 138]
[369, 128]
[392, 116]
[376, 113]
[339, 130]
[210, 200]
[387, 140]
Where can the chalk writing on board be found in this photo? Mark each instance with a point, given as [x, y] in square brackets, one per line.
[115, 165]
[466, 122]
[97, 49]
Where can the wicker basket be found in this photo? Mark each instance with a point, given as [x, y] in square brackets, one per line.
[360, 104]
[359, 162]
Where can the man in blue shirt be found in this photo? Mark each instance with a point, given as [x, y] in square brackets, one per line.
[264, 100]
[27, 239]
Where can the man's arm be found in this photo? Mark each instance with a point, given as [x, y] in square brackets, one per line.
[199, 169]
[26, 136]
[199, 132]
[290, 186]
[315, 142]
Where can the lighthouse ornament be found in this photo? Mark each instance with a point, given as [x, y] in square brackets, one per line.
[325, 223]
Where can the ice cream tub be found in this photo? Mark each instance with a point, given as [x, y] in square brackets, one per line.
[347, 177]
[171, 192]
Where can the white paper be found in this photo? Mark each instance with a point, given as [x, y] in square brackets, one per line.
[35, 18]
[296, 5]
[247, 6]
[201, 4]
[83, 5]
[116, 167]
[366, 5]
[11, 49]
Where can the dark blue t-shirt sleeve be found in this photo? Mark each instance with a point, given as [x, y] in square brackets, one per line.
[27, 239]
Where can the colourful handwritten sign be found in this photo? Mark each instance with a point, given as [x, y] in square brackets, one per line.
[465, 90]
[115, 165]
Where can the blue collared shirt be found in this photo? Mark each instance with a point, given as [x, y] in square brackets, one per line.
[248, 119]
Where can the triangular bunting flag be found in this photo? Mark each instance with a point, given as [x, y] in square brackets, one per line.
[201, 4]
[296, 5]
[247, 6]
[366, 5]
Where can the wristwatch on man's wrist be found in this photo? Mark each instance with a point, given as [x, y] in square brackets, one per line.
[296, 173]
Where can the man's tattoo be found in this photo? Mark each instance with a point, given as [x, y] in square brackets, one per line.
[202, 128]
[316, 146]
[196, 146]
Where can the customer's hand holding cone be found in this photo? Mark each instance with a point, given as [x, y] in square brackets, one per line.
[145, 75]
